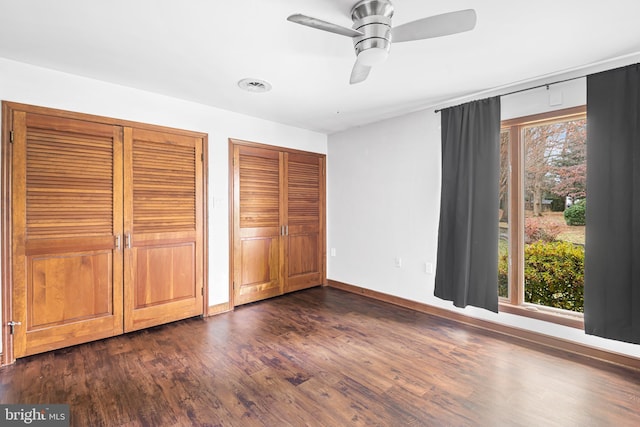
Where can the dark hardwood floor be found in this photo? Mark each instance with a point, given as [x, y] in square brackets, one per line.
[323, 357]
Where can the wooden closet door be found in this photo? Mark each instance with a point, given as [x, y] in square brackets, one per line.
[163, 228]
[304, 235]
[257, 210]
[66, 214]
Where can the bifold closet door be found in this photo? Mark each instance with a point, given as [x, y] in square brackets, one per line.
[66, 228]
[278, 221]
[163, 227]
[304, 221]
[257, 222]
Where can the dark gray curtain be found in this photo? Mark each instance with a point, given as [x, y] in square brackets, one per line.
[467, 269]
[612, 256]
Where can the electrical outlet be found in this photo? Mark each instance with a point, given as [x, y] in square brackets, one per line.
[428, 267]
[333, 251]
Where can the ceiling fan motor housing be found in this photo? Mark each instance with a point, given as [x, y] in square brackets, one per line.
[373, 19]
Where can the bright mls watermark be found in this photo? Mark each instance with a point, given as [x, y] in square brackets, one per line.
[34, 415]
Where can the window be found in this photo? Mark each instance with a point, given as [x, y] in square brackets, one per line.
[542, 216]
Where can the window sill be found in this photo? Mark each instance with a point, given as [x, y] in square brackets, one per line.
[561, 317]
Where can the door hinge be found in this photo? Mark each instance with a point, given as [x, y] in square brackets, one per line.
[202, 157]
[202, 291]
[11, 136]
[12, 325]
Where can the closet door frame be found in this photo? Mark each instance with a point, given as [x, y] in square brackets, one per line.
[6, 260]
[232, 210]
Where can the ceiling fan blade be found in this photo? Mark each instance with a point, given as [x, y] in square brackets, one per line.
[435, 26]
[323, 25]
[359, 72]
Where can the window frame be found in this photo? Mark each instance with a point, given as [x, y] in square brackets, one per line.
[515, 303]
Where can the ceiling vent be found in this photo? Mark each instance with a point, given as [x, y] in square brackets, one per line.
[254, 85]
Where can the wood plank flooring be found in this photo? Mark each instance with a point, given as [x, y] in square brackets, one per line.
[323, 357]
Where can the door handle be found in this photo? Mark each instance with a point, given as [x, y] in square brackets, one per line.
[286, 230]
[12, 326]
[127, 240]
[117, 242]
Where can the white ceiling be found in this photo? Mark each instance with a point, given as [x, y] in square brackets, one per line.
[198, 50]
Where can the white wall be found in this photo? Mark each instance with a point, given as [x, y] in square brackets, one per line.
[383, 186]
[38, 86]
[383, 203]
[570, 94]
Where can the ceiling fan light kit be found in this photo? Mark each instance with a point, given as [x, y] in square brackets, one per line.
[372, 32]
[372, 47]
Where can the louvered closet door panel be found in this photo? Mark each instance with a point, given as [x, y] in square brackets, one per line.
[67, 212]
[163, 228]
[257, 224]
[304, 240]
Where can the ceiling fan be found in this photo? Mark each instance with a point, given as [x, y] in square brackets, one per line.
[372, 32]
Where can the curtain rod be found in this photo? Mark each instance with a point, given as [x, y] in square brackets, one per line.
[608, 61]
[525, 89]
